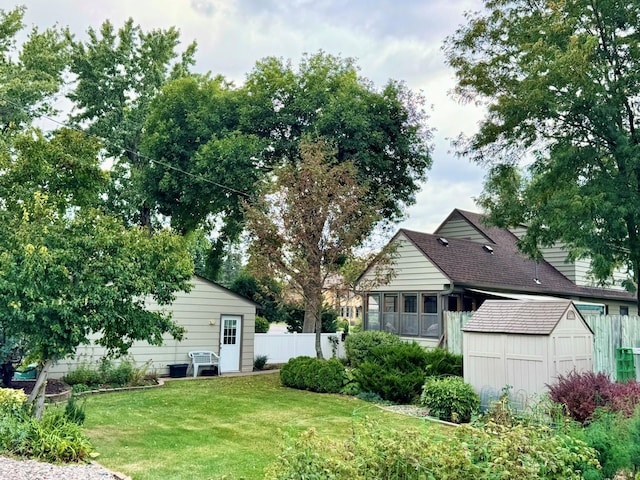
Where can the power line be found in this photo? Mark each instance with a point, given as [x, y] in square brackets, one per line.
[107, 141]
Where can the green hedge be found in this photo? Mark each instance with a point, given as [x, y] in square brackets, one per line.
[450, 399]
[316, 375]
[358, 345]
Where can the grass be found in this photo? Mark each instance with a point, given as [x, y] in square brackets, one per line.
[218, 428]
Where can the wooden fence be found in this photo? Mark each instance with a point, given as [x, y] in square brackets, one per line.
[609, 332]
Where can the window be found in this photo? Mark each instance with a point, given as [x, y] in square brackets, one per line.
[390, 314]
[373, 312]
[624, 311]
[409, 321]
[430, 324]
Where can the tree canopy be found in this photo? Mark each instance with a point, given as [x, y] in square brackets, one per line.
[116, 75]
[382, 132]
[560, 81]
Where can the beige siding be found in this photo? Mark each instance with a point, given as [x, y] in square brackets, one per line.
[199, 313]
[461, 229]
[527, 362]
[413, 271]
[557, 257]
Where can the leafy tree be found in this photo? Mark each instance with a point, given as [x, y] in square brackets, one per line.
[117, 74]
[381, 132]
[205, 167]
[68, 269]
[309, 220]
[265, 291]
[560, 81]
[29, 76]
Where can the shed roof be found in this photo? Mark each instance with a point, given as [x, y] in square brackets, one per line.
[519, 317]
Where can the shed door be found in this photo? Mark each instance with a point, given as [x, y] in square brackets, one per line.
[231, 327]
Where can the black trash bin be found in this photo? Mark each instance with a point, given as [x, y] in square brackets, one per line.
[178, 370]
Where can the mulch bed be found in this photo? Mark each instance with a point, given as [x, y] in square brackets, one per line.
[53, 386]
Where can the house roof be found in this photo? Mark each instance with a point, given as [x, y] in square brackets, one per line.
[498, 264]
[525, 318]
[226, 290]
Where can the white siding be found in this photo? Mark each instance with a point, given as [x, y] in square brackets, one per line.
[557, 257]
[526, 362]
[461, 229]
[413, 271]
[199, 313]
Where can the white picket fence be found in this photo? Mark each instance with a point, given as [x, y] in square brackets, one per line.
[280, 347]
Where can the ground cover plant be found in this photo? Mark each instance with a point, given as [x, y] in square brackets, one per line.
[108, 374]
[227, 427]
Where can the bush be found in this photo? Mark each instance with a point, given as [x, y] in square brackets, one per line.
[53, 439]
[88, 377]
[358, 345]
[582, 393]
[11, 401]
[395, 372]
[259, 362]
[75, 413]
[487, 452]
[441, 362]
[314, 374]
[262, 325]
[450, 399]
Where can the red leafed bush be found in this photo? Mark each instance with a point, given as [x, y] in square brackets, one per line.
[581, 393]
[626, 397]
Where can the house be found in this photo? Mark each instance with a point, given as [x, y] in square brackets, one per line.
[215, 319]
[340, 298]
[525, 345]
[464, 263]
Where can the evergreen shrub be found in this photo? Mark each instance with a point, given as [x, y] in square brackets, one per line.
[395, 372]
[359, 345]
[314, 374]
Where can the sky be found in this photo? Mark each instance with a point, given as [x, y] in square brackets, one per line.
[391, 39]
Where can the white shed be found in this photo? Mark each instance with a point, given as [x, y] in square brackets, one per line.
[525, 344]
[215, 319]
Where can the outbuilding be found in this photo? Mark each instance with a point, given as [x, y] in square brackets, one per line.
[214, 318]
[525, 345]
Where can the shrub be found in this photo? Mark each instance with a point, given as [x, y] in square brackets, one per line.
[582, 393]
[125, 373]
[53, 439]
[450, 399]
[11, 401]
[259, 362]
[358, 345]
[487, 452]
[262, 324]
[395, 372]
[314, 374]
[442, 362]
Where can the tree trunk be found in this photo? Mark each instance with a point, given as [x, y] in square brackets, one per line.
[39, 389]
[313, 314]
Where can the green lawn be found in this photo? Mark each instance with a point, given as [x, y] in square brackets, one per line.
[217, 427]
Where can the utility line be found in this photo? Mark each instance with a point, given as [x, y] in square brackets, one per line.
[107, 141]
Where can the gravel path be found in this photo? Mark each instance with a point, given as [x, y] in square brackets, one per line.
[12, 469]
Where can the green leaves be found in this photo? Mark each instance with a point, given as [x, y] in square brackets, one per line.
[560, 81]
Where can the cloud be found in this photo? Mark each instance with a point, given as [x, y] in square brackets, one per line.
[204, 7]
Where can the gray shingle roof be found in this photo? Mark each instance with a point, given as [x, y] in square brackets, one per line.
[518, 317]
[468, 264]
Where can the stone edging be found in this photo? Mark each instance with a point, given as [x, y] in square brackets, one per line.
[120, 389]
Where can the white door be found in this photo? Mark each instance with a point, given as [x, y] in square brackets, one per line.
[230, 343]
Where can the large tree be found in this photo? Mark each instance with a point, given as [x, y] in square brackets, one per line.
[382, 131]
[309, 220]
[204, 166]
[30, 75]
[116, 75]
[68, 270]
[560, 81]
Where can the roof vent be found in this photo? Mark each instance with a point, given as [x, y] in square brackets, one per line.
[443, 241]
[537, 281]
[488, 248]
